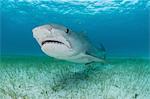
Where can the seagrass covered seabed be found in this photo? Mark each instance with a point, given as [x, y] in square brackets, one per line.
[32, 77]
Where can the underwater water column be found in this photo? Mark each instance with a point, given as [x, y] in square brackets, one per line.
[121, 26]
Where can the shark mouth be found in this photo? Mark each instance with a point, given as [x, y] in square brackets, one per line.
[55, 42]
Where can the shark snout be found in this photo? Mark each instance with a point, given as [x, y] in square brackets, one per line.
[42, 31]
[41, 28]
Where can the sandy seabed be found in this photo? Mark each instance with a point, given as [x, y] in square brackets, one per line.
[30, 77]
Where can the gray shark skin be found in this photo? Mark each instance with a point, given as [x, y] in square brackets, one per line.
[62, 43]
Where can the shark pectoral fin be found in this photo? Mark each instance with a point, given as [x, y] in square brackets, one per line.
[89, 63]
[90, 54]
[93, 58]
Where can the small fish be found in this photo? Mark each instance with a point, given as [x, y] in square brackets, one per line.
[62, 43]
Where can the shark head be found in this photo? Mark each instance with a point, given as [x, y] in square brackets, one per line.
[55, 40]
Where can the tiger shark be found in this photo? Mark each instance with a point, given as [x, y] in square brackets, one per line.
[62, 43]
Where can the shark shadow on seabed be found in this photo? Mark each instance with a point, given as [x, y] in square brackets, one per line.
[68, 79]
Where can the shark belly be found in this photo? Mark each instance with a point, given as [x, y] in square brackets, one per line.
[83, 58]
[64, 53]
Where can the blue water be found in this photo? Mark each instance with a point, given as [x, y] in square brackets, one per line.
[121, 25]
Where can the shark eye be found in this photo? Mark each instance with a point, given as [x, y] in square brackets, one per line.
[67, 31]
